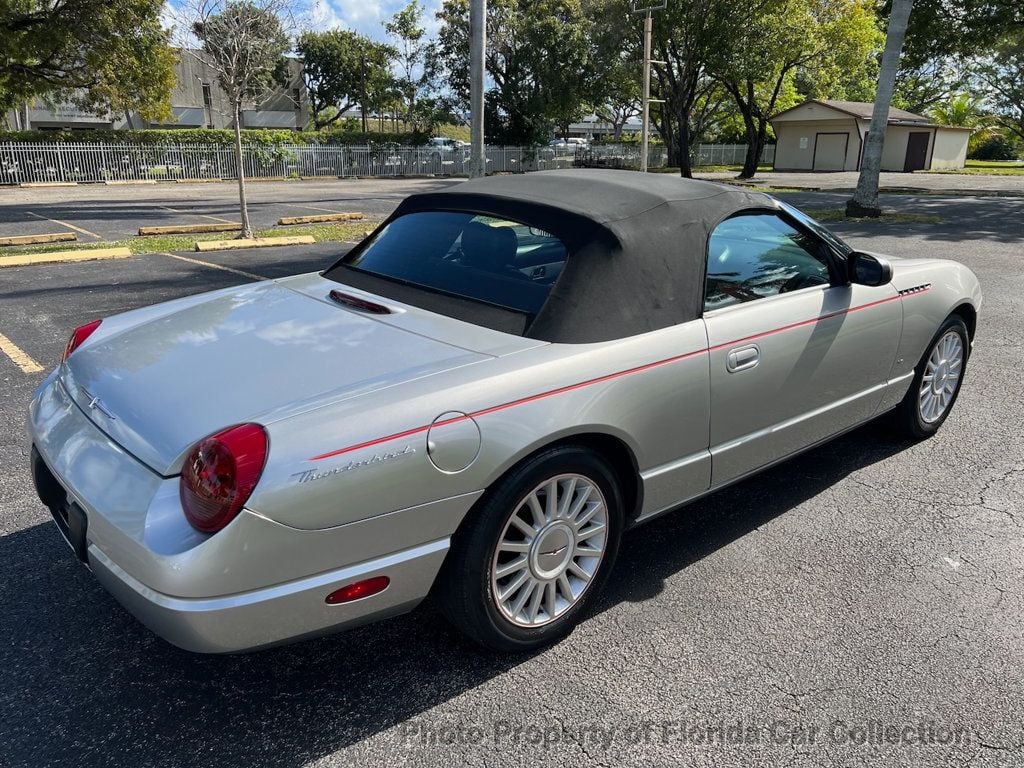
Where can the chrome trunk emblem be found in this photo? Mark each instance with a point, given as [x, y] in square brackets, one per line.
[96, 404]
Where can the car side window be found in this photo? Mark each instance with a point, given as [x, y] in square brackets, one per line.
[756, 255]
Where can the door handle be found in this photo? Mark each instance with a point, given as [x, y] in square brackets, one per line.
[743, 358]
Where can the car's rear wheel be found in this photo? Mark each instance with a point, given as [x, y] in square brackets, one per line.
[937, 381]
[535, 552]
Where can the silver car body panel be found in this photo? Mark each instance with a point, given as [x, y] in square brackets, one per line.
[385, 430]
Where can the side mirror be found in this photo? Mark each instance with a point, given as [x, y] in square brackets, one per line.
[867, 269]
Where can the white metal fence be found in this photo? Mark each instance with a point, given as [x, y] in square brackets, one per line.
[24, 162]
[627, 155]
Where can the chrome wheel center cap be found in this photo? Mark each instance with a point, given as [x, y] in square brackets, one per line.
[551, 551]
[941, 376]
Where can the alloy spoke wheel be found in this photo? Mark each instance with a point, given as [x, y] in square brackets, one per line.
[550, 550]
[941, 377]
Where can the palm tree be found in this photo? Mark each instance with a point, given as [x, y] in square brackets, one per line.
[865, 200]
[962, 110]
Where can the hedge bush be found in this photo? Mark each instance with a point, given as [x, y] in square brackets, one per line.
[217, 136]
[995, 148]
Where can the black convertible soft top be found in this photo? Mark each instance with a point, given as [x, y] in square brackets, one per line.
[637, 247]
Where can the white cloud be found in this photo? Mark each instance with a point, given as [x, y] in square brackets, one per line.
[323, 16]
[368, 16]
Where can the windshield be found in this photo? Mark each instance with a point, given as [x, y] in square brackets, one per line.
[819, 230]
[495, 261]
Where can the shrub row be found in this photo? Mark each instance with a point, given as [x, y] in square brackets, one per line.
[180, 136]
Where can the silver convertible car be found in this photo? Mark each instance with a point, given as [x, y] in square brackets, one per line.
[474, 403]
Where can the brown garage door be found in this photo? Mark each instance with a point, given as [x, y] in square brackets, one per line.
[830, 151]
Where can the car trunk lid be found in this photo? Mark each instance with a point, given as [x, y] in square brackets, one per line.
[255, 354]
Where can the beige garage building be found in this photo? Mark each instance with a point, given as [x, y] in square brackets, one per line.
[829, 136]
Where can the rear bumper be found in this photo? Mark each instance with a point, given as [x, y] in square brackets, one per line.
[278, 614]
[254, 584]
[252, 619]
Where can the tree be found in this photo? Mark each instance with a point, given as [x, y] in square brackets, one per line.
[245, 42]
[538, 59]
[342, 68]
[616, 88]
[693, 38]
[1002, 75]
[941, 36]
[102, 55]
[962, 110]
[822, 39]
[413, 57]
[865, 199]
[622, 96]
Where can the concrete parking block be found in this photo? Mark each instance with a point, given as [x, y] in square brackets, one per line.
[56, 257]
[53, 237]
[255, 242]
[319, 218]
[190, 229]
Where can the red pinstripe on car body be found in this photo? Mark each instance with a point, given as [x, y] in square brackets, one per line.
[610, 377]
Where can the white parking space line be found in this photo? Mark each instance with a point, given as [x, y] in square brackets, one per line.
[202, 263]
[18, 356]
[200, 215]
[65, 224]
[312, 207]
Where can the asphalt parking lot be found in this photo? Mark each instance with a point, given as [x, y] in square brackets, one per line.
[99, 212]
[788, 620]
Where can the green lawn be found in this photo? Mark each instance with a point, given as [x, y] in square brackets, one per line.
[989, 168]
[347, 231]
[710, 169]
[887, 217]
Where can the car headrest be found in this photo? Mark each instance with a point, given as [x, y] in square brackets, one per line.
[492, 249]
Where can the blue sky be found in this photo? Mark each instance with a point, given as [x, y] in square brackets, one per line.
[367, 16]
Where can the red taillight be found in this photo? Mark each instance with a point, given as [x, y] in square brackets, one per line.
[220, 473]
[78, 337]
[358, 590]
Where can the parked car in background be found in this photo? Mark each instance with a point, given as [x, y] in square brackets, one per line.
[445, 144]
[571, 142]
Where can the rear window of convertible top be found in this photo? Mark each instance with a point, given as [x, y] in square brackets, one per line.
[495, 261]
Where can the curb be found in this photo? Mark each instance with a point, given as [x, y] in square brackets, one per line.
[318, 218]
[38, 184]
[189, 229]
[56, 237]
[256, 242]
[922, 191]
[57, 257]
[198, 181]
[128, 182]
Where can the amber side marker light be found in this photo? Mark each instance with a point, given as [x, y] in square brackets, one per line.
[358, 590]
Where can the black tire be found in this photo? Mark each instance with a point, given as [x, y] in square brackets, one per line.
[907, 419]
[464, 588]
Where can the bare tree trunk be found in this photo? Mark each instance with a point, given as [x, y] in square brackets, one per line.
[865, 200]
[685, 166]
[756, 130]
[240, 167]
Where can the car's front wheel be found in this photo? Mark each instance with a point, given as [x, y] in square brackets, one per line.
[937, 381]
[535, 552]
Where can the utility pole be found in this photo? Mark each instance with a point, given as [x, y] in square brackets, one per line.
[362, 87]
[646, 7]
[477, 47]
